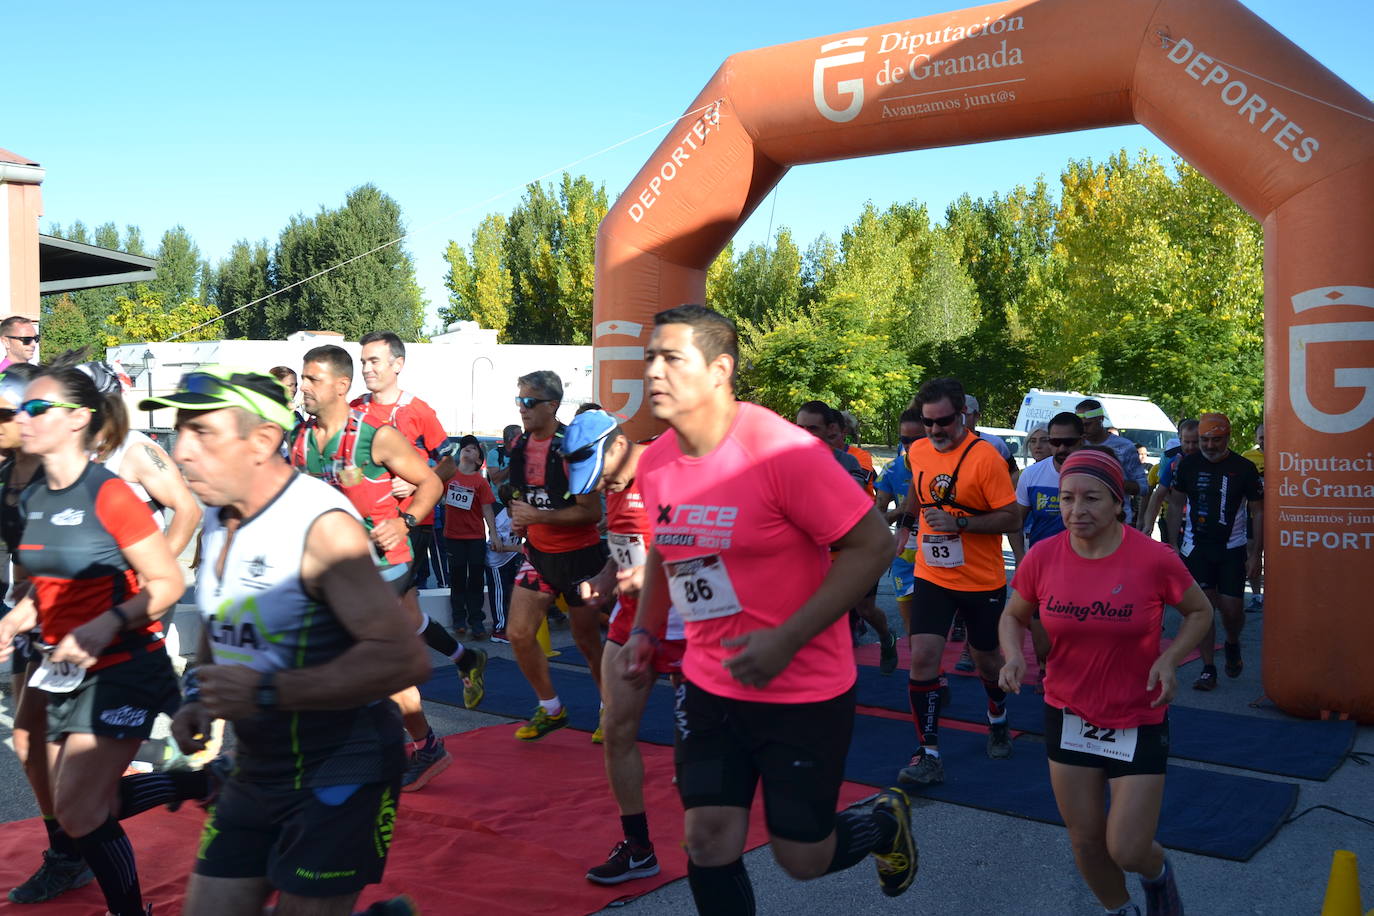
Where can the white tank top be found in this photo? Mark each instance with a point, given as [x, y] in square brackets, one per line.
[116, 459]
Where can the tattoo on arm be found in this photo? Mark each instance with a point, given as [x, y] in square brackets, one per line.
[155, 457]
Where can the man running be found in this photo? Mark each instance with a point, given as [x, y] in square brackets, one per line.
[1168, 467]
[1096, 432]
[602, 458]
[962, 491]
[301, 645]
[361, 458]
[745, 510]
[891, 488]
[1216, 487]
[563, 548]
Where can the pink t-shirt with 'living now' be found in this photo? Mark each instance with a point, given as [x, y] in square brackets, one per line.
[769, 499]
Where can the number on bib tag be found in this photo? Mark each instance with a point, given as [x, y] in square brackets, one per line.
[1085, 738]
[701, 588]
[944, 550]
[459, 497]
[628, 550]
[59, 677]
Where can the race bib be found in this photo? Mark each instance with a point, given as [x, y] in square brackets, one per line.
[538, 497]
[701, 588]
[1085, 738]
[628, 550]
[57, 677]
[944, 550]
[459, 497]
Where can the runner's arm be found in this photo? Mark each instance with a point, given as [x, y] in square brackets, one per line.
[1197, 619]
[1157, 497]
[1174, 515]
[1011, 634]
[391, 450]
[1002, 520]
[585, 511]
[1256, 557]
[156, 472]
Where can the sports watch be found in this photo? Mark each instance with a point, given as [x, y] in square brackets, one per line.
[409, 520]
[961, 522]
[265, 696]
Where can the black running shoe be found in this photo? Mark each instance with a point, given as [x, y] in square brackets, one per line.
[625, 863]
[897, 866]
[999, 741]
[923, 770]
[57, 875]
[888, 653]
[1234, 663]
[1207, 680]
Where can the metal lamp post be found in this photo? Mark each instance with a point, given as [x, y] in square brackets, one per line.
[148, 373]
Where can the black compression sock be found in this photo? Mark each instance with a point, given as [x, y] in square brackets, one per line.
[636, 827]
[857, 833]
[110, 855]
[997, 700]
[925, 709]
[721, 890]
[143, 791]
[437, 638]
[58, 841]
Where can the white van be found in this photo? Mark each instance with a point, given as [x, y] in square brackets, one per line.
[1137, 418]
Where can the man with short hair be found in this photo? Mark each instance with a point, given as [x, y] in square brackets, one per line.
[310, 803]
[563, 547]
[360, 458]
[498, 456]
[962, 491]
[1168, 466]
[1096, 432]
[1216, 487]
[20, 337]
[849, 429]
[746, 510]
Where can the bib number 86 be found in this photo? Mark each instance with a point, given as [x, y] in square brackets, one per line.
[698, 590]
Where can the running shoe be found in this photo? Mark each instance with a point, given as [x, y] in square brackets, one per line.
[999, 741]
[1161, 896]
[396, 906]
[887, 662]
[1234, 663]
[57, 875]
[959, 633]
[1256, 605]
[897, 867]
[474, 678]
[424, 766]
[541, 723]
[1127, 909]
[1207, 680]
[478, 634]
[626, 863]
[499, 635]
[923, 770]
[599, 736]
[965, 662]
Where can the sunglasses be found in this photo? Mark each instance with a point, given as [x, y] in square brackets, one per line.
[6, 414]
[940, 421]
[1061, 443]
[38, 406]
[531, 403]
[214, 386]
[25, 340]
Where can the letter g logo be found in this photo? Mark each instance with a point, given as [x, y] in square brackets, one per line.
[853, 87]
[1302, 337]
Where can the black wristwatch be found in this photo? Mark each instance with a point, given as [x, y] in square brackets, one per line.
[961, 522]
[265, 697]
[409, 520]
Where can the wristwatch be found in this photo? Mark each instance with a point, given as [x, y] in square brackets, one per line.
[265, 697]
[409, 520]
[961, 522]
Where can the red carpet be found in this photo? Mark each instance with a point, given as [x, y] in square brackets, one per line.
[510, 828]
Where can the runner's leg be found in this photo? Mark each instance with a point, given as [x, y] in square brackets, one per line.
[209, 896]
[1078, 793]
[527, 610]
[585, 623]
[1132, 822]
[85, 785]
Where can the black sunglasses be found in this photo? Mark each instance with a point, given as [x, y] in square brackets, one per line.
[25, 340]
[6, 414]
[1060, 443]
[940, 421]
[531, 403]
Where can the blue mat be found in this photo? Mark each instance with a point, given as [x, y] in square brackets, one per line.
[1305, 749]
[1299, 748]
[1213, 814]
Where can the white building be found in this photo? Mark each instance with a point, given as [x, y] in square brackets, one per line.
[467, 377]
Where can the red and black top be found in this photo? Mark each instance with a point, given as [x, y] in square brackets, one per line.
[72, 550]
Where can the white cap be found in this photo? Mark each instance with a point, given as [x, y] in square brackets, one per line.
[971, 404]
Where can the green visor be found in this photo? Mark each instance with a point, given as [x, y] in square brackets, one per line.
[215, 387]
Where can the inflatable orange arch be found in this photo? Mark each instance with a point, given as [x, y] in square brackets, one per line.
[1284, 137]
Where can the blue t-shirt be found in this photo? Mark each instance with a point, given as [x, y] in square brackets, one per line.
[1167, 470]
[1038, 489]
[896, 477]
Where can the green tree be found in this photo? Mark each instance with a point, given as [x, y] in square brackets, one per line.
[146, 317]
[243, 277]
[480, 287]
[64, 327]
[178, 266]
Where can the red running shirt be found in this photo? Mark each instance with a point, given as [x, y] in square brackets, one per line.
[1103, 617]
[416, 420]
[550, 538]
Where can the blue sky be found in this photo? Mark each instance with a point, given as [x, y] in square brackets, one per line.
[231, 122]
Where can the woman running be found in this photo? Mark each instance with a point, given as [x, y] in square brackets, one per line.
[1101, 587]
[101, 575]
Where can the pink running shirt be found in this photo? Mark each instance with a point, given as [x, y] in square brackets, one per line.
[1103, 617]
[769, 499]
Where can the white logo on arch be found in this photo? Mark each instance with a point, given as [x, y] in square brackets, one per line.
[852, 87]
[631, 388]
[1300, 337]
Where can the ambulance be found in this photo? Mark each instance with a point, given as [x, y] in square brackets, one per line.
[1137, 418]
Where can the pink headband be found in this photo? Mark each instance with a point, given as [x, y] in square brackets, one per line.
[1096, 464]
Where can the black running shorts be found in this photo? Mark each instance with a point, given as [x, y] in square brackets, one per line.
[724, 746]
[557, 574]
[933, 608]
[1219, 568]
[323, 842]
[1151, 749]
[120, 701]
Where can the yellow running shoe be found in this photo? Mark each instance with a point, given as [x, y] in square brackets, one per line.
[474, 679]
[897, 866]
[541, 723]
[599, 736]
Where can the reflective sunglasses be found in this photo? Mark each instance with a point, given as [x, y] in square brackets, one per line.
[38, 406]
[531, 403]
[25, 340]
[1060, 443]
[941, 421]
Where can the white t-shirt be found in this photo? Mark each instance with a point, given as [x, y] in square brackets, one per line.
[496, 558]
